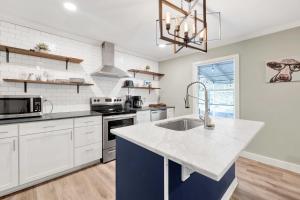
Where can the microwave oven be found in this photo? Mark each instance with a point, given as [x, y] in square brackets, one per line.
[18, 106]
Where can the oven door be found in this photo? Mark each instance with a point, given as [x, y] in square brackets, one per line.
[112, 122]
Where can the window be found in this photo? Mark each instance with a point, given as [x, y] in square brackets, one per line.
[219, 76]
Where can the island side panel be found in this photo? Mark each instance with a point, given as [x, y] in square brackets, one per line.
[139, 173]
[140, 176]
[197, 186]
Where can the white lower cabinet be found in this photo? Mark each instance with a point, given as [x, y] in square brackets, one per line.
[170, 112]
[87, 135]
[143, 116]
[45, 154]
[88, 154]
[8, 163]
[33, 151]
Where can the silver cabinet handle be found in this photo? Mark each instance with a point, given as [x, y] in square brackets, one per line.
[3, 132]
[71, 136]
[88, 150]
[14, 145]
[89, 132]
[89, 122]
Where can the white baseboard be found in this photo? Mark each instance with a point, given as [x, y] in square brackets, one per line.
[271, 161]
[230, 190]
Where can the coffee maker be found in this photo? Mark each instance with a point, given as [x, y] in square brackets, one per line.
[137, 101]
[128, 102]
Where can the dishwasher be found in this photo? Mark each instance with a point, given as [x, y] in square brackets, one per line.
[158, 114]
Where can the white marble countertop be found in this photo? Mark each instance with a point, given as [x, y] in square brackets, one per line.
[208, 152]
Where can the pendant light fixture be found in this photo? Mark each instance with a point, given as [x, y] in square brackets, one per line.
[183, 25]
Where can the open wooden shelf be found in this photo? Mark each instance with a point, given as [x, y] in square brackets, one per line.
[9, 49]
[46, 82]
[143, 88]
[137, 71]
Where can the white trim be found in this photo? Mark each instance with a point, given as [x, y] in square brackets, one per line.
[230, 190]
[166, 178]
[272, 162]
[185, 173]
[236, 61]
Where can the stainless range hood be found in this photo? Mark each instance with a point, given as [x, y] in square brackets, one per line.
[108, 61]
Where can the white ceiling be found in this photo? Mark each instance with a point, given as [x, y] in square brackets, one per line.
[131, 23]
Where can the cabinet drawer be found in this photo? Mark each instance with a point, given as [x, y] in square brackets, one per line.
[90, 153]
[8, 131]
[87, 121]
[88, 135]
[45, 126]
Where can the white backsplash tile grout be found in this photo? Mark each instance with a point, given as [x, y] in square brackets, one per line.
[65, 98]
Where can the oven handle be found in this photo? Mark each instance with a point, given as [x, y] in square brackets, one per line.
[117, 117]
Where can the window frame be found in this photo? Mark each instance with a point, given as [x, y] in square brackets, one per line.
[235, 59]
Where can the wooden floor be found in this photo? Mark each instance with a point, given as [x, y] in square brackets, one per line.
[256, 182]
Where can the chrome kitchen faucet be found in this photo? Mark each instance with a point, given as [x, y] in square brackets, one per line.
[207, 120]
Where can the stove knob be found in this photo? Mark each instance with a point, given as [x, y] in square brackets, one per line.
[98, 100]
[94, 100]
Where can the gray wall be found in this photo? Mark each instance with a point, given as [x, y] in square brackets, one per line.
[278, 105]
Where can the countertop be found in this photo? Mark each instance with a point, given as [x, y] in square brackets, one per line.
[208, 152]
[152, 108]
[52, 116]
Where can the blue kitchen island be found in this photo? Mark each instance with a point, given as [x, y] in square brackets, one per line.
[155, 163]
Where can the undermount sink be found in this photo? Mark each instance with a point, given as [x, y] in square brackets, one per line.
[181, 124]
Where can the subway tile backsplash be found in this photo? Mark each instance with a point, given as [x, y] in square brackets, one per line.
[64, 97]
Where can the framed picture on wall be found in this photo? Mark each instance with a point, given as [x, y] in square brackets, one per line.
[285, 70]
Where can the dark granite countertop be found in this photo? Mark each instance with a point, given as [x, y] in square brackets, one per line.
[52, 116]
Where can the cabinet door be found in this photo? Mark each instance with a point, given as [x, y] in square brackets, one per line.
[143, 116]
[170, 112]
[8, 163]
[45, 154]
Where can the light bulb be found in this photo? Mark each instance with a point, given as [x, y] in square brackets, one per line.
[186, 27]
[202, 34]
[168, 18]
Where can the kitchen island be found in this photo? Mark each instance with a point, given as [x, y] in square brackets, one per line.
[161, 164]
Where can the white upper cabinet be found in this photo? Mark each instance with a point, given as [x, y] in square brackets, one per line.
[45, 154]
[8, 163]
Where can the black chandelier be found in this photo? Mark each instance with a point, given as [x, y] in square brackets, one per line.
[182, 26]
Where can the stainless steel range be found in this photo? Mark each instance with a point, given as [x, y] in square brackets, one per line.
[114, 116]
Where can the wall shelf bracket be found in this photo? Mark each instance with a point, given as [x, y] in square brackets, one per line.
[7, 55]
[67, 64]
[25, 87]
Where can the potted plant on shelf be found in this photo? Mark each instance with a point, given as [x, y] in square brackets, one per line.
[147, 68]
[42, 47]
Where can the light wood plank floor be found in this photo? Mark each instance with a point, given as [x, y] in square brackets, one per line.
[256, 182]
